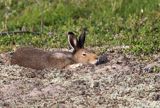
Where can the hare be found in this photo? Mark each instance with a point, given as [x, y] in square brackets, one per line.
[38, 59]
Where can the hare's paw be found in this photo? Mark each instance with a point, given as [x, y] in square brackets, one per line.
[73, 66]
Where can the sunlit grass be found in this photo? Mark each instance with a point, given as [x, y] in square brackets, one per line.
[110, 22]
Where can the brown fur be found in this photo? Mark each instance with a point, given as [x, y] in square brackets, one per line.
[39, 59]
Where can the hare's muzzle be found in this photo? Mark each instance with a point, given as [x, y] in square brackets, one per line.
[95, 61]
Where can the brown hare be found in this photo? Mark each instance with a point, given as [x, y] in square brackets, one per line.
[38, 59]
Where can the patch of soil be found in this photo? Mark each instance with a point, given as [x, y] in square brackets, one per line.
[122, 81]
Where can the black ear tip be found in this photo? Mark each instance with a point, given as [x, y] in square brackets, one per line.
[70, 33]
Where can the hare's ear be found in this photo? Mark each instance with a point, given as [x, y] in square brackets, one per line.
[82, 37]
[72, 40]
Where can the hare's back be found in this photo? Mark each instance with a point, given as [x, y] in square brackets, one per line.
[29, 51]
[30, 57]
[39, 59]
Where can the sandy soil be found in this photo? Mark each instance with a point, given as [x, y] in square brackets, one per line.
[123, 81]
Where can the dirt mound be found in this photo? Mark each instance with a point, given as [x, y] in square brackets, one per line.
[123, 81]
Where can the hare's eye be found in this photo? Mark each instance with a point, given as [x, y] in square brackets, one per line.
[84, 54]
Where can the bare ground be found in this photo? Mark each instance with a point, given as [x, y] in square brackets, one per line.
[124, 81]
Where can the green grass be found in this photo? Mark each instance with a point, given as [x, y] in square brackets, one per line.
[110, 22]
